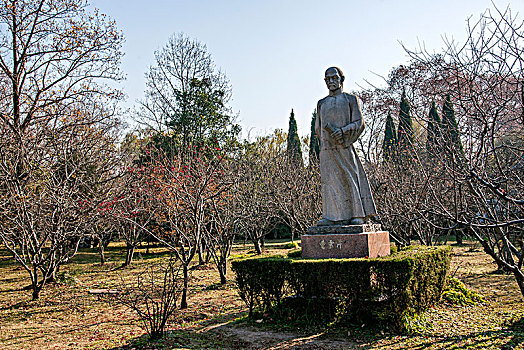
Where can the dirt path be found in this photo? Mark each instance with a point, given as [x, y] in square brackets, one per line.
[254, 338]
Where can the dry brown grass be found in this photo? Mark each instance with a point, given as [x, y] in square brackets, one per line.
[67, 317]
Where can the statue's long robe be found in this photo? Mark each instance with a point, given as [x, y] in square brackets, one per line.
[345, 188]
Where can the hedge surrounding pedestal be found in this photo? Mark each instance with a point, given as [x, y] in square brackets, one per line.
[379, 291]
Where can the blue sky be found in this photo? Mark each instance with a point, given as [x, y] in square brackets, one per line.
[275, 52]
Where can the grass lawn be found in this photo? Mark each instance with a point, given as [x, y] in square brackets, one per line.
[67, 317]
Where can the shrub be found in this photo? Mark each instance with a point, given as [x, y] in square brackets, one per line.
[457, 293]
[291, 245]
[261, 281]
[295, 253]
[383, 290]
[66, 279]
[153, 296]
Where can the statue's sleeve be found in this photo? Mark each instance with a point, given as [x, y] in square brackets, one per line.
[356, 127]
[318, 123]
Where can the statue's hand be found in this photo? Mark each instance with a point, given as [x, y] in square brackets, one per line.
[338, 135]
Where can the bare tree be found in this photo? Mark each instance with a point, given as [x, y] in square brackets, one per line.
[187, 96]
[46, 211]
[101, 234]
[183, 187]
[56, 124]
[190, 131]
[297, 198]
[256, 191]
[153, 296]
[224, 219]
[400, 187]
[132, 208]
[485, 183]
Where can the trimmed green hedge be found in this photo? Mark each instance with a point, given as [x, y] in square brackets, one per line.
[384, 290]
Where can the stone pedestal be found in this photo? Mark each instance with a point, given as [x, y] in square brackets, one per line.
[345, 241]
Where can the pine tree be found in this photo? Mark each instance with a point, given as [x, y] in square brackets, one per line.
[452, 145]
[450, 131]
[405, 128]
[390, 139]
[293, 142]
[434, 137]
[314, 144]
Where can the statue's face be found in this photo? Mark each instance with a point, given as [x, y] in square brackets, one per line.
[332, 80]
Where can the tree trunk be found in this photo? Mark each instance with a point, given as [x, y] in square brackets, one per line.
[459, 236]
[222, 271]
[129, 254]
[520, 280]
[36, 292]
[208, 256]
[258, 247]
[201, 259]
[54, 273]
[183, 301]
[101, 252]
[35, 286]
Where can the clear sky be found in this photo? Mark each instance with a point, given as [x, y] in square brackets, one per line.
[275, 51]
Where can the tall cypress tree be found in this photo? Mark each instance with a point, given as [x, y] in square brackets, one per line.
[405, 128]
[314, 144]
[452, 145]
[450, 131]
[390, 139]
[434, 137]
[293, 142]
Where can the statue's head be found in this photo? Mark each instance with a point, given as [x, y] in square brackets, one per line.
[334, 78]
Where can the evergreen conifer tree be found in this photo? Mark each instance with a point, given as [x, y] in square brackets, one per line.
[390, 139]
[452, 145]
[450, 131]
[434, 137]
[293, 142]
[405, 128]
[314, 144]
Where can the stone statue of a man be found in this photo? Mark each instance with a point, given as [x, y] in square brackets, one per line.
[346, 196]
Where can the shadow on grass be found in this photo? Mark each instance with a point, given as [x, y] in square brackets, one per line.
[499, 339]
[218, 286]
[187, 340]
[154, 255]
[207, 334]
[12, 290]
[511, 337]
[16, 306]
[7, 261]
[20, 314]
[91, 256]
[8, 281]
[28, 339]
[114, 255]
[217, 333]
